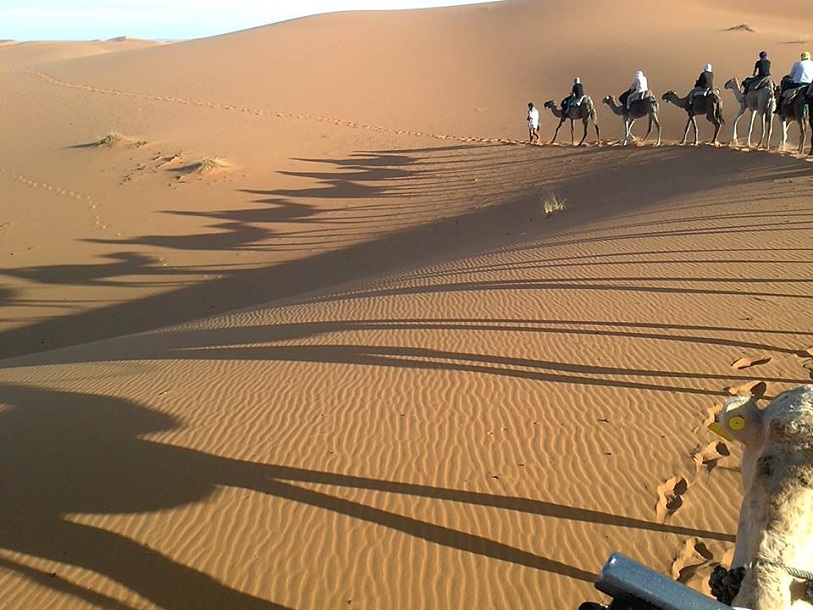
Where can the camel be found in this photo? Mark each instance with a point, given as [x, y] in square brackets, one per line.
[711, 106]
[809, 101]
[773, 553]
[808, 96]
[637, 110]
[583, 111]
[797, 111]
[759, 101]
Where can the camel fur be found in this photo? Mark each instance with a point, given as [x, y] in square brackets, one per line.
[775, 529]
[584, 111]
[760, 102]
[797, 111]
[809, 99]
[711, 106]
[647, 107]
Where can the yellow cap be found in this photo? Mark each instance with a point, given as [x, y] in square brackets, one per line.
[806, 55]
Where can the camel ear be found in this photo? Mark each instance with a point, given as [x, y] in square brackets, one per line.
[757, 390]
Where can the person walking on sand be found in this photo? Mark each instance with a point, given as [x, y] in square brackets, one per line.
[533, 123]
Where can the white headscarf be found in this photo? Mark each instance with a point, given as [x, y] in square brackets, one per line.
[707, 68]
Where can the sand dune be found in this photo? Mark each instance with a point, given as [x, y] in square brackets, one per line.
[287, 324]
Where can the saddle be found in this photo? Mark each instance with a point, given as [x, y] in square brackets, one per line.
[703, 94]
[706, 93]
[789, 96]
[755, 83]
[577, 101]
[640, 96]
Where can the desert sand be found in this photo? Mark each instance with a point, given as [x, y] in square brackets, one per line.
[290, 318]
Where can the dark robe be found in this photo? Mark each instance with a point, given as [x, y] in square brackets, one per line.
[705, 80]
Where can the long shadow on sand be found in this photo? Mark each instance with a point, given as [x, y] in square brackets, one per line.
[236, 230]
[73, 453]
[122, 265]
[257, 343]
[384, 174]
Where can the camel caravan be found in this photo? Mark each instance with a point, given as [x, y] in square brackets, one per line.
[791, 101]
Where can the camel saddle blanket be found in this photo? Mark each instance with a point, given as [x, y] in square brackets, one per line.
[639, 96]
[755, 83]
[789, 95]
[706, 92]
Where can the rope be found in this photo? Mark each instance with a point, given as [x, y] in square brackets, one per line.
[795, 572]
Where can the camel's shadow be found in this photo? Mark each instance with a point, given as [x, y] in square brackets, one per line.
[72, 453]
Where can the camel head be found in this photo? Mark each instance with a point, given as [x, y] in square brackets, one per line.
[668, 94]
[786, 421]
[608, 99]
[732, 83]
[740, 420]
[550, 104]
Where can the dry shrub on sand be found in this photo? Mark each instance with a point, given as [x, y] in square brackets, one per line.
[208, 165]
[552, 203]
[743, 27]
[114, 138]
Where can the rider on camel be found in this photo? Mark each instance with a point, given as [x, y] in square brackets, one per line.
[638, 89]
[801, 74]
[704, 85]
[761, 74]
[576, 94]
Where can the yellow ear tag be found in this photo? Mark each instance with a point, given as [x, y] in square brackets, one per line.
[736, 423]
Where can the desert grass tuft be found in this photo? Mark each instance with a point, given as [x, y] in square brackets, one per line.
[207, 165]
[743, 27]
[114, 138]
[551, 203]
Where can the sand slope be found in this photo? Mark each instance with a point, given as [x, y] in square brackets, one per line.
[286, 323]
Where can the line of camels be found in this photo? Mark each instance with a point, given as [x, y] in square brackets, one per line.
[761, 102]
